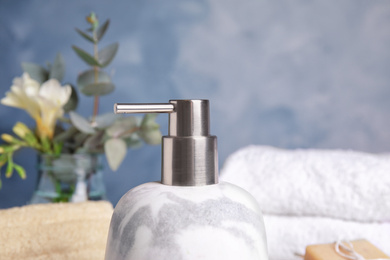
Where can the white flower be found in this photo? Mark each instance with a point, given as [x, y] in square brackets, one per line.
[44, 103]
[23, 95]
[52, 97]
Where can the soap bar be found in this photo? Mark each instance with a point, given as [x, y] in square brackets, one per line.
[328, 252]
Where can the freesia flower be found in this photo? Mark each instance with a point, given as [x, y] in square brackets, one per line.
[52, 97]
[8, 138]
[43, 103]
[21, 130]
[23, 95]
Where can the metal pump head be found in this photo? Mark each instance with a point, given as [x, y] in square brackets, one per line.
[189, 152]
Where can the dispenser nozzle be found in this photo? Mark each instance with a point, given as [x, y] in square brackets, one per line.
[124, 108]
[190, 156]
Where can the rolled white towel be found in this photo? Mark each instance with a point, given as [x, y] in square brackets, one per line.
[340, 184]
[288, 236]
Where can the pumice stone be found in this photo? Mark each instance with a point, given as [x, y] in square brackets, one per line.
[189, 214]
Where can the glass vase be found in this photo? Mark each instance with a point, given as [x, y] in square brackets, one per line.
[69, 178]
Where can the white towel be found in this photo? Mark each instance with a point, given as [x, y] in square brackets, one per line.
[347, 185]
[288, 235]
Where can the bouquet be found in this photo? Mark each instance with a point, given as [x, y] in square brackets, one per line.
[59, 129]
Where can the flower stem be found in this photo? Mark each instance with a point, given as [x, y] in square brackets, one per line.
[96, 78]
[95, 107]
[130, 131]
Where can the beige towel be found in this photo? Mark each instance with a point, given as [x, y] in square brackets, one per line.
[55, 231]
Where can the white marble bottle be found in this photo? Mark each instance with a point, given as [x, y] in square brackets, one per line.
[189, 215]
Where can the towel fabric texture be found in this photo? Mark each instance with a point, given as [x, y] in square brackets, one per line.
[55, 231]
[288, 236]
[315, 196]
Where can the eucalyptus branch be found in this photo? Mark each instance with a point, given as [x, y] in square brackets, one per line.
[96, 76]
[106, 133]
[129, 132]
[95, 82]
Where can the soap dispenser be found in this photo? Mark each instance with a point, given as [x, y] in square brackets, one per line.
[189, 214]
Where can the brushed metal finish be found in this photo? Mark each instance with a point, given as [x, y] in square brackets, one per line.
[189, 161]
[124, 108]
[189, 152]
[191, 118]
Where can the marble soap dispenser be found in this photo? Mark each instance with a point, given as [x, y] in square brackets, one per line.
[189, 215]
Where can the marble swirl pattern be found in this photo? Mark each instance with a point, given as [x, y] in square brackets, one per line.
[155, 221]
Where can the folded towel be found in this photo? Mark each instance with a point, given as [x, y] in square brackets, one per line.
[55, 231]
[289, 235]
[348, 185]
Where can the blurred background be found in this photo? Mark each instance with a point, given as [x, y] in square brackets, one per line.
[291, 74]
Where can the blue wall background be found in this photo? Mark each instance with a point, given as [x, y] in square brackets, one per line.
[307, 74]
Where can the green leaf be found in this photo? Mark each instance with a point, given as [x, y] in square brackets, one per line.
[73, 100]
[88, 77]
[102, 30]
[148, 122]
[98, 89]
[8, 149]
[57, 70]
[85, 56]
[87, 85]
[86, 36]
[19, 169]
[3, 159]
[133, 141]
[36, 71]
[150, 130]
[95, 141]
[69, 133]
[57, 147]
[81, 123]
[105, 120]
[152, 137]
[107, 54]
[79, 139]
[115, 150]
[46, 145]
[10, 166]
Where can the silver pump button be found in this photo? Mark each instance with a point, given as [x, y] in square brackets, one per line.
[189, 152]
